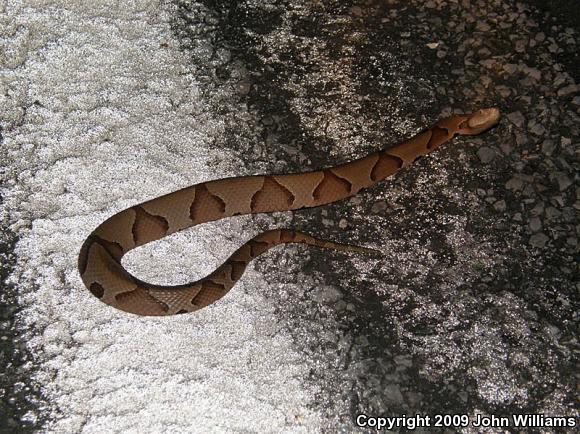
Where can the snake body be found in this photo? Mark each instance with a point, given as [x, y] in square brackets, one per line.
[100, 256]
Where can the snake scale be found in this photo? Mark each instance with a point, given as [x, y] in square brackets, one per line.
[100, 256]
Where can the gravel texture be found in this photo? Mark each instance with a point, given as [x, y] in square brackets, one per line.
[472, 309]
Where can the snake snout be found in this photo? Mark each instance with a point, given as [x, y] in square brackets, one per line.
[483, 119]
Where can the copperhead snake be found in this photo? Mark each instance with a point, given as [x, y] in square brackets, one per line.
[100, 256]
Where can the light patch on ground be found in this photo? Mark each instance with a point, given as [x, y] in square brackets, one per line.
[101, 112]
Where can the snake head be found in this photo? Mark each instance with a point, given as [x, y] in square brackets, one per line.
[479, 121]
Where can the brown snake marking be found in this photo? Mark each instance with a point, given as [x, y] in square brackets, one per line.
[100, 256]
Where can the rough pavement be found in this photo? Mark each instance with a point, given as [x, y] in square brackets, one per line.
[473, 307]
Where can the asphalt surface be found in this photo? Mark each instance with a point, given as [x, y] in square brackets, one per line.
[473, 309]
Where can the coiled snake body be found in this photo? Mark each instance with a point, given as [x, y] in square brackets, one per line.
[100, 256]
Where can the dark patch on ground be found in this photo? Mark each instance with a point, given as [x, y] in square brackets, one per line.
[17, 394]
[518, 181]
[562, 12]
